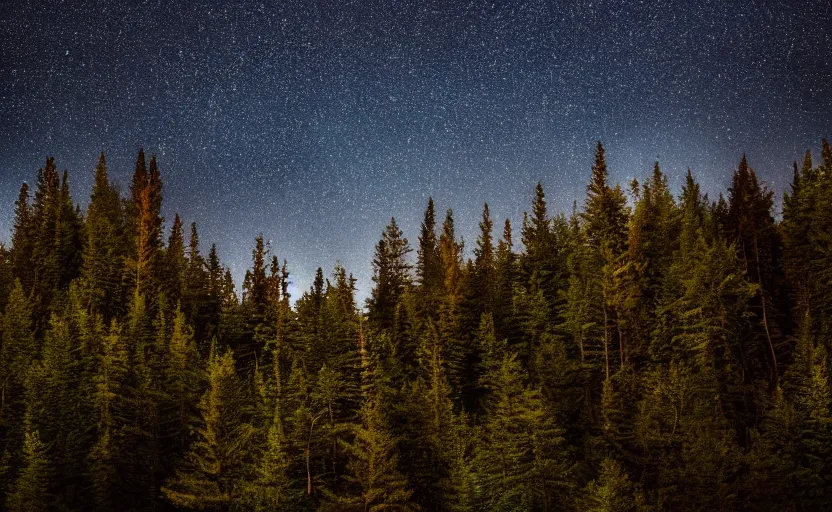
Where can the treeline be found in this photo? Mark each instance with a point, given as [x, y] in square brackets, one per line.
[645, 353]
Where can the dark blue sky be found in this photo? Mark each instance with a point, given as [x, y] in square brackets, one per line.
[315, 122]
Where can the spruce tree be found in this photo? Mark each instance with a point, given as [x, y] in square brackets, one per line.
[484, 266]
[175, 264]
[374, 481]
[145, 227]
[270, 487]
[103, 259]
[521, 459]
[429, 265]
[612, 491]
[23, 235]
[506, 278]
[751, 227]
[391, 275]
[17, 351]
[182, 382]
[30, 489]
[110, 399]
[196, 300]
[215, 467]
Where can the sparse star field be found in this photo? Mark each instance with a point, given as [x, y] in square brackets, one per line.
[315, 122]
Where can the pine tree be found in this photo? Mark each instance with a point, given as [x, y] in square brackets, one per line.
[653, 237]
[521, 461]
[45, 217]
[751, 227]
[599, 295]
[775, 472]
[175, 264]
[484, 266]
[182, 381]
[55, 409]
[506, 278]
[451, 328]
[17, 351]
[6, 275]
[103, 259]
[612, 492]
[605, 214]
[391, 275]
[196, 299]
[30, 490]
[374, 479]
[422, 421]
[806, 420]
[23, 235]
[542, 263]
[110, 398]
[67, 255]
[214, 470]
[214, 299]
[429, 265]
[271, 486]
[256, 308]
[145, 226]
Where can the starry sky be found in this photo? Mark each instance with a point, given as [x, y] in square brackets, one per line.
[315, 122]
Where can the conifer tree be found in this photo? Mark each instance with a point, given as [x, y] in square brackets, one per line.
[605, 214]
[451, 328]
[751, 227]
[484, 265]
[196, 301]
[605, 224]
[214, 299]
[67, 256]
[391, 275]
[30, 490]
[103, 259]
[17, 351]
[175, 264]
[146, 394]
[521, 461]
[424, 424]
[145, 223]
[45, 213]
[56, 410]
[506, 275]
[542, 262]
[429, 265]
[214, 469]
[375, 482]
[111, 402]
[612, 492]
[271, 485]
[6, 275]
[182, 383]
[653, 235]
[23, 235]
[255, 307]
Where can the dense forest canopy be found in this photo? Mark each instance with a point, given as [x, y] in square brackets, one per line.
[648, 351]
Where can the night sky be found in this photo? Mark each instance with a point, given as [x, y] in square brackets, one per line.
[316, 123]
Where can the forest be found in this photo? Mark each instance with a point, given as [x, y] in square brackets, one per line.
[650, 350]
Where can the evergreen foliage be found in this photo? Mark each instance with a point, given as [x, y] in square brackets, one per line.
[658, 353]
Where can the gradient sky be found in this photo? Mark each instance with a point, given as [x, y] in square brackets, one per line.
[315, 122]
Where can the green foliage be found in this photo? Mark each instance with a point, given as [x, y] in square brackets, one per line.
[375, 482]
[103, 261]
[612, 491]
[215, 466]
[521, 463]
[30, 490]
[669, 354]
